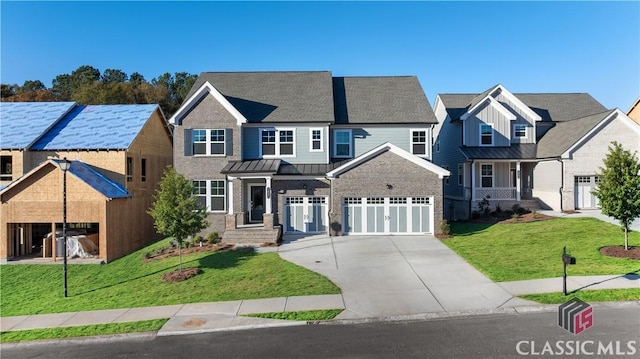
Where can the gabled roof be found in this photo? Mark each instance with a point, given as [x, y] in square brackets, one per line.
[97, 127]
[387, 146]
[381, 100]
[273, 97]
[563, 135]
[96, 180]
[554, 107]
[22, 123]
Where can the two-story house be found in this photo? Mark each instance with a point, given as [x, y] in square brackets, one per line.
[539, 150]
[306, 152]
[117, 156]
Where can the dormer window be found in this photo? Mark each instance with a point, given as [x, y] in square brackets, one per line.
[486, 134]
[520, 131]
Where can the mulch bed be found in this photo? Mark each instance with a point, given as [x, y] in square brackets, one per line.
[524, 218]
[174, 251]
[620, 252]
[180, 275]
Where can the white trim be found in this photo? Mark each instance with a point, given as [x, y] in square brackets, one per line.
[526, 132]
[386, 206]
[460, 166]
[208, 142]
[492, 101]
[311, 129]
[306, 206]
[616, 114]
[209, 193]
[194, 99]
[441, 172]
[249, 199]
[230, 195]
[277, 142]
[335, 142]
[492, 174]
[480, 144]
[426, 141]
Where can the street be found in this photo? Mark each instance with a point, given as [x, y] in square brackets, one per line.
[615, 331]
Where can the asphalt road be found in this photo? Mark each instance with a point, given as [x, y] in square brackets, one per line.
[615, 331]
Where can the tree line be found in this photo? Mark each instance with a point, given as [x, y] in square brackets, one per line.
[87, 86]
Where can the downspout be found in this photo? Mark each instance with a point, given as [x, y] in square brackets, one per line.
[330, 212]
[561, 181]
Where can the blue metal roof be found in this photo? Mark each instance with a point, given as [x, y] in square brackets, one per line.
[21, 123]
[96, 180]
[97, 127]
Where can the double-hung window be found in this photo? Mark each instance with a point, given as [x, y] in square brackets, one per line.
[486, 175]
[208, 142]
[419, 142]
[315, 137]
[520, 131]
[6, 168]
[460, 174]
[486, 134]
[129, 169]
[277, 142]
[210, 194]
[342, 144]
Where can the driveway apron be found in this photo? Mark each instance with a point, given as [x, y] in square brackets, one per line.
[382, 276]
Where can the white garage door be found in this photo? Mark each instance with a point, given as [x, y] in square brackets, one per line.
[387, 215]
[584, 198]
[305, 214]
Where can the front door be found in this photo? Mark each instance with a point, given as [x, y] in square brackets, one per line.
[256, 203]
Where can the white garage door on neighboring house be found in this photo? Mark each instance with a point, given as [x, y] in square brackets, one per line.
[584, 186]
[306, 214]
[387, 215]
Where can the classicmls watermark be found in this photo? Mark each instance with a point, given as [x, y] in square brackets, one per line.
[576, 316]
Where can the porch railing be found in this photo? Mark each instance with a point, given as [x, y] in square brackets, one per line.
[495, 193]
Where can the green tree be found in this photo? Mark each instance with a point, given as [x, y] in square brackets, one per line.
[175, 209]
[619, 189]
[113, 75]
[35, 85]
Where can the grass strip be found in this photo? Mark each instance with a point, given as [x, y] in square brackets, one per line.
[326, 314]
[601, 295]
[82, 331]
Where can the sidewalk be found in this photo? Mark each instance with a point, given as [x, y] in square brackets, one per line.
[222, 316]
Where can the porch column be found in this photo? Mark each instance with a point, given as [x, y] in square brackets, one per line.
[473, 181]
[267, 190]
[230, 192]
[518, 181]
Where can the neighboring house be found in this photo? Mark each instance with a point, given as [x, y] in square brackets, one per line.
[535, 150]
[118, 154]
[306, 152]
[634, 111]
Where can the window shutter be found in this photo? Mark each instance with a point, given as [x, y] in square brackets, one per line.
[228, 139]
[188, 147]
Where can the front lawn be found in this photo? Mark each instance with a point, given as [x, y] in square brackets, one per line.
[532, 250]
[590, 296]
[128, 282]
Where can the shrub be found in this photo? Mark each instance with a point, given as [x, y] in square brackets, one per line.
[498, 209]
[475, 214]
[213, 238]
[445, 227]
[534, 214]
[516, 215]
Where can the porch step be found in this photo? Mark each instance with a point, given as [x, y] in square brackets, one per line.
[532, 204]
[251, 235]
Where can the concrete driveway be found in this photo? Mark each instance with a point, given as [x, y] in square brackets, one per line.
[383, 276]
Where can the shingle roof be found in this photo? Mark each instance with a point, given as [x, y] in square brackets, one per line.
[555, 107]
[22, 123]
[97, 127]
[565, 134]
[515, 151]
[275, 96]
[389, 99]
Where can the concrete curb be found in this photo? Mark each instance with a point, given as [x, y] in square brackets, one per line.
[231, 329]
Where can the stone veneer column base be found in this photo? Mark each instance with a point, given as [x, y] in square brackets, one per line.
[230, 222]
[267, 220]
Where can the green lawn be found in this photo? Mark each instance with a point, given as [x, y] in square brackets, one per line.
[519, 251]
[127, 282]
[82, 331]
[302, 315]
[602, 295]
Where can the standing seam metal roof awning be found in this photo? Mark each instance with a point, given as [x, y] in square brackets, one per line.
[513, 152]
[252, 166]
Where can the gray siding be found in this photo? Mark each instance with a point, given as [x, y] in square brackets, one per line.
[251, 144]
[450, 137]
[366, 138]
[488, 115]
[501, 173]
[521, 118]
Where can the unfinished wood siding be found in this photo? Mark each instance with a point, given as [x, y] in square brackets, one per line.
[126, 229]
[111, 163]
[17, 164]
[489, 114]
[38, 199]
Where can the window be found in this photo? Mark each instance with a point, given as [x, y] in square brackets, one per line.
[342, 143]
[446, 179]
[316, 140]
[460, 174]
[208, 142]
[129, 169]
[6, 168]
[486, 134]
[520, 131]
[143, 169]
[486, 175]
[419, 142]
[210, 194]
[437, 144]
[277, 142]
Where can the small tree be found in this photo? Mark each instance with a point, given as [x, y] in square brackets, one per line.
[619, 187]
[175, 209]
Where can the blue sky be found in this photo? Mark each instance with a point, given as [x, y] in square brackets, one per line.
[453, 47]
